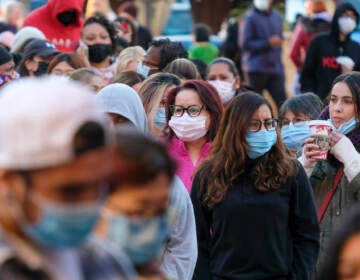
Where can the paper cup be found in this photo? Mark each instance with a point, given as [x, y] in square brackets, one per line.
[319, 130]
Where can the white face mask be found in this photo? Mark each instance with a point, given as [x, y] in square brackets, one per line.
[188, 128]
[262, 5]
[225, 90]
[346, 25]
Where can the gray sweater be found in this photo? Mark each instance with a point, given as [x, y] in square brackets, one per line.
[180, 255]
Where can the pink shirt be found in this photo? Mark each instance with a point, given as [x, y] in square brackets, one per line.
[186, 167]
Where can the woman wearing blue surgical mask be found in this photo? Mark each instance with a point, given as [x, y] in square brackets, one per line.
[153, 93]
[294, 116]
[136, 220]
[193, 115]
[336, 180]
[253, 204]
[224, 76]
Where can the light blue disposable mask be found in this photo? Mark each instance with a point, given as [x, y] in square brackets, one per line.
[347, 127]
[294, 135]
[63, 225]
[143, 70]
[140, 239]
[160, 119]
[260, 142]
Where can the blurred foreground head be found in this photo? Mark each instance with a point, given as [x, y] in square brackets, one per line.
[54, 161]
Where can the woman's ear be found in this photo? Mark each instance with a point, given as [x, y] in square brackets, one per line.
[12, 185]
[237, 82]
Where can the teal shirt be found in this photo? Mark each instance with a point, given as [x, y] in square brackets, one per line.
[205, 52]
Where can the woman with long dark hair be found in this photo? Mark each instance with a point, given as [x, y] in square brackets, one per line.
[254, 208]
[336, 180]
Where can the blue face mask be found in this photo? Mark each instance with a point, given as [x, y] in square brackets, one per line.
[294, 135]
[143, 70]
[260, 142]
[160, 119]
[140, 239]
[63, 226]
[347, 127]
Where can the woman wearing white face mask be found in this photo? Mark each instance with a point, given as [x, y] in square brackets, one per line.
[336, 180]
[223, 75]
[331, 54]
[194, 116]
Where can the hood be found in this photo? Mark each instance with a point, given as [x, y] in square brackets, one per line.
[338, 12]
[123, 100]
[315, 25]
[60, 6]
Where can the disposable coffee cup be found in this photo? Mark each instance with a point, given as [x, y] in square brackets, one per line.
[319, 130]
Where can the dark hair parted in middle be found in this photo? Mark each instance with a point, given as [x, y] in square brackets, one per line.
[105, 23]
[208, 96]
[228, 62]
[73, 59]
[228, 158]
[308, 104]
[352, 80]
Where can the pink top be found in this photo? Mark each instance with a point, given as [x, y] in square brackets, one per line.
[186, 167]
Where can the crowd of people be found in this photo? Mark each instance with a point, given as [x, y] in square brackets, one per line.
[123, 157]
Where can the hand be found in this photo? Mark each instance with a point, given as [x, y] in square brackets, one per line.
[83, 52]
[335, 137]
[275, 41]
[311, 150]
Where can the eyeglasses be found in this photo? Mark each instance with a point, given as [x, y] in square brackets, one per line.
[255, 125]
[286, 122]
[192, 110]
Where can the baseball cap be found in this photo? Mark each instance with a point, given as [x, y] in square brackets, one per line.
[39, 47]
[39, 119]
[23, 36]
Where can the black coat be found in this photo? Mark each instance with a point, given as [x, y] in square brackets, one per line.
[257, 235]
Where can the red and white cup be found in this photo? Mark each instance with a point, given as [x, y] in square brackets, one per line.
[319, 130]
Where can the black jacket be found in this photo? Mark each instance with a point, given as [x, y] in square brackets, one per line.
[257, 235]
[320, 67]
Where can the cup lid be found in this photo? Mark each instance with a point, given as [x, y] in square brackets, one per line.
[319, 122]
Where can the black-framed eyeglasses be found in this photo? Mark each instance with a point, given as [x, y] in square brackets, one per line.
[255, 125]
[285, 122]
[192, 110]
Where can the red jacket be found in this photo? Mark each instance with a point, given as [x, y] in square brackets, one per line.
[303, 34]
[300, 43]
[65, 38]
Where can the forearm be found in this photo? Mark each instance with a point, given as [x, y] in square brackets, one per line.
[345, 152]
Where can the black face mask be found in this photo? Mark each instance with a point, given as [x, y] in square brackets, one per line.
[42, 67]
[67, 18]
[99, 52]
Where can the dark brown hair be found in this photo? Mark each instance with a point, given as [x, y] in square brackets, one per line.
[141, 158]
[352, 80]
[228, 157]
[73, 59]
[129, 78]
[208, 96]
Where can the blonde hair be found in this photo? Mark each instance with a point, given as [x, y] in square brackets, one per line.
[152, 91]
[184, 68]
[128, 55]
